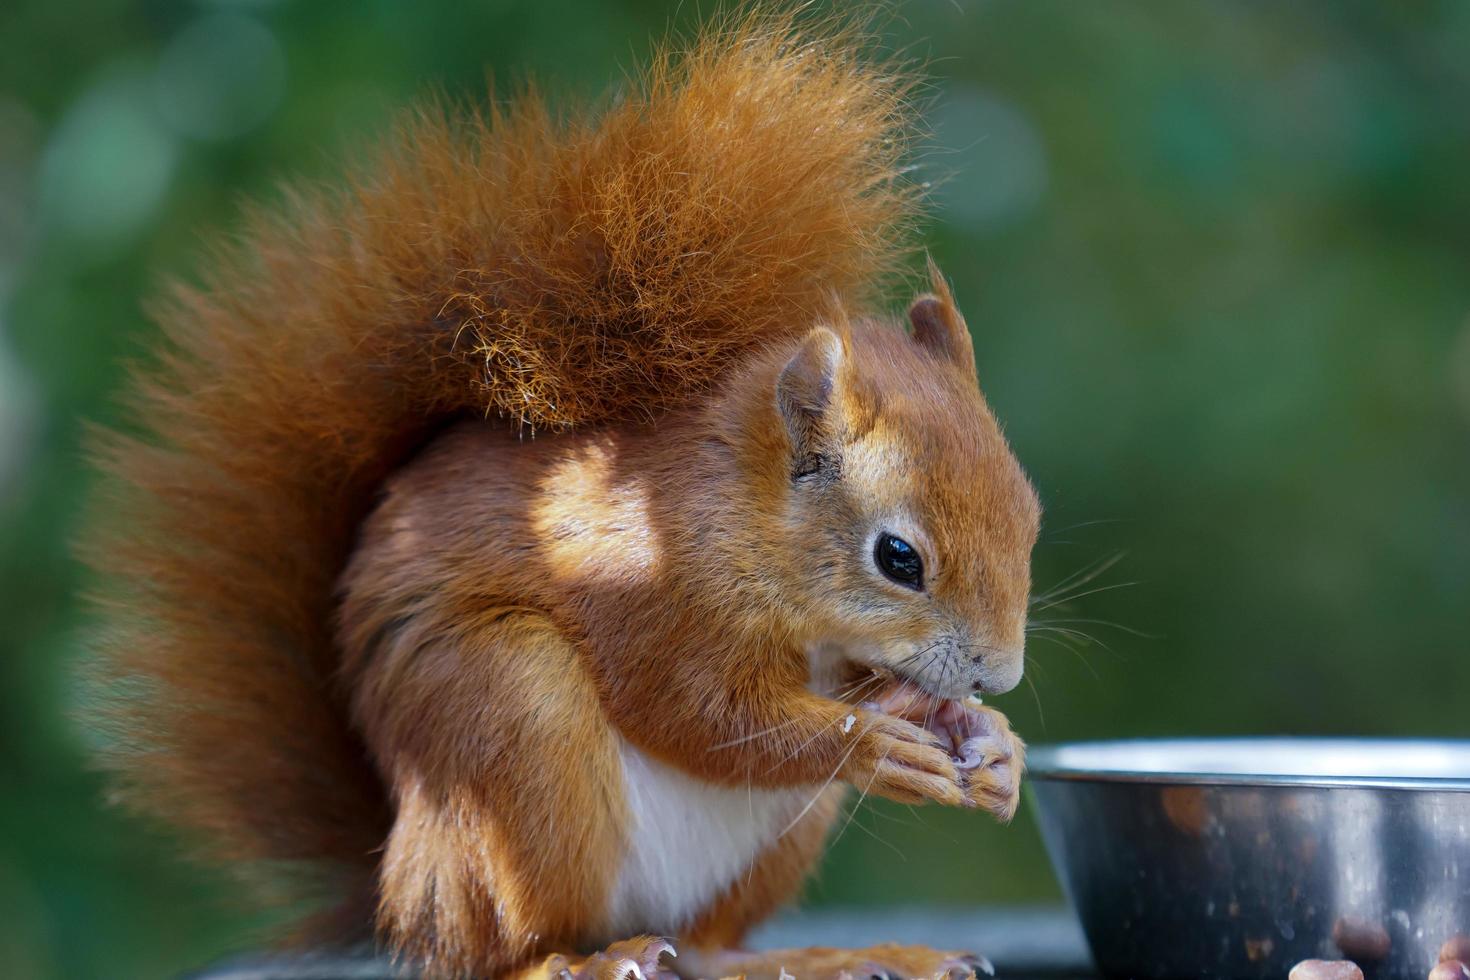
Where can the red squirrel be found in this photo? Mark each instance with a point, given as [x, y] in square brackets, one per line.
[529, 546]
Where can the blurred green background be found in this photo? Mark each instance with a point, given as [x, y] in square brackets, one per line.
[1215, 256]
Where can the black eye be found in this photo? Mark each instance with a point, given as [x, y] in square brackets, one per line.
[898, 559]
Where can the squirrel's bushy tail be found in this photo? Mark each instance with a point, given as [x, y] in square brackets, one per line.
[553, 271]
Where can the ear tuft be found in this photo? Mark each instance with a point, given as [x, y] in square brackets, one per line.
[807, 385]
[938, 325]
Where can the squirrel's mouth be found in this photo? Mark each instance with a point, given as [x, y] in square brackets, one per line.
[955, 721]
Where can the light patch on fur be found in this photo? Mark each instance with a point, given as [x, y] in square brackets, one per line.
[592, 527]
[688, 840]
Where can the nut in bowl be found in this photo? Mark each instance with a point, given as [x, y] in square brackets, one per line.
[1242, 858]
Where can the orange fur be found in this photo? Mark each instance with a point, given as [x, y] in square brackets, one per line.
[687, 576]
[499, 262]
[433, 703]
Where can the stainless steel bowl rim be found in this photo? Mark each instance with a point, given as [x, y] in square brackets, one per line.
[1046, 762]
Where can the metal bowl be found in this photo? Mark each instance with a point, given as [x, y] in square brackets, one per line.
[1237, 858]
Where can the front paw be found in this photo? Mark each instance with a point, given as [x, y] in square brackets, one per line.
[990, 759]
[901, 761]
[639, 958]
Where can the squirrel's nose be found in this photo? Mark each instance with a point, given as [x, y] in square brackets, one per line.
[998, 671]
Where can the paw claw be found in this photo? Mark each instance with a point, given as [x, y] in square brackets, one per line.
[979, 964]
[657, 948]
[632, 959]
[964, 966]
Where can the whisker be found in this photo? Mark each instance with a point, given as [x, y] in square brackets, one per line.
[1040, 715]
[752, 736]
[1034, 665]
[1078, 595]
[1076, 653]
[888, 844]
[1083, 638]
[878, 814]
[855, 691]
[1055, 636]
[967, 647]
[852, 811]
[797, 751]
[1082, 524]
[1104, 622]
[1082, 576]
[821, 789]
[929, 828]
[848, 689]
[909, 660]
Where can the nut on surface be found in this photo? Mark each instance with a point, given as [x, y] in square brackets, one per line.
[1326, 970]
[1450, 970]
[1361, 939]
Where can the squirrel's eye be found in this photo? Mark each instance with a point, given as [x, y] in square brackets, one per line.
[899, 560]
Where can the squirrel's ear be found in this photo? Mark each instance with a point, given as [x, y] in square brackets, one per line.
[807, 385]
[938, 324]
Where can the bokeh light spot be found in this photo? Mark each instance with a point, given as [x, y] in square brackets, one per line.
[1460, 371]
[107, 164]
[994, 161]
[220, 77]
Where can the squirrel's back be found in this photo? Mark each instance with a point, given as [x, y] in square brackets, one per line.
[555, 272]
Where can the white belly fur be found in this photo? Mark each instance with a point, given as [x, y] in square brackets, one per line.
[688, 841]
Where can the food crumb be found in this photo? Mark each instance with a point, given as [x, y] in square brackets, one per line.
[847, 723]
[1325, 970]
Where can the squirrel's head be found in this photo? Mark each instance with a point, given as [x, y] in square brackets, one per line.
[905, 520]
